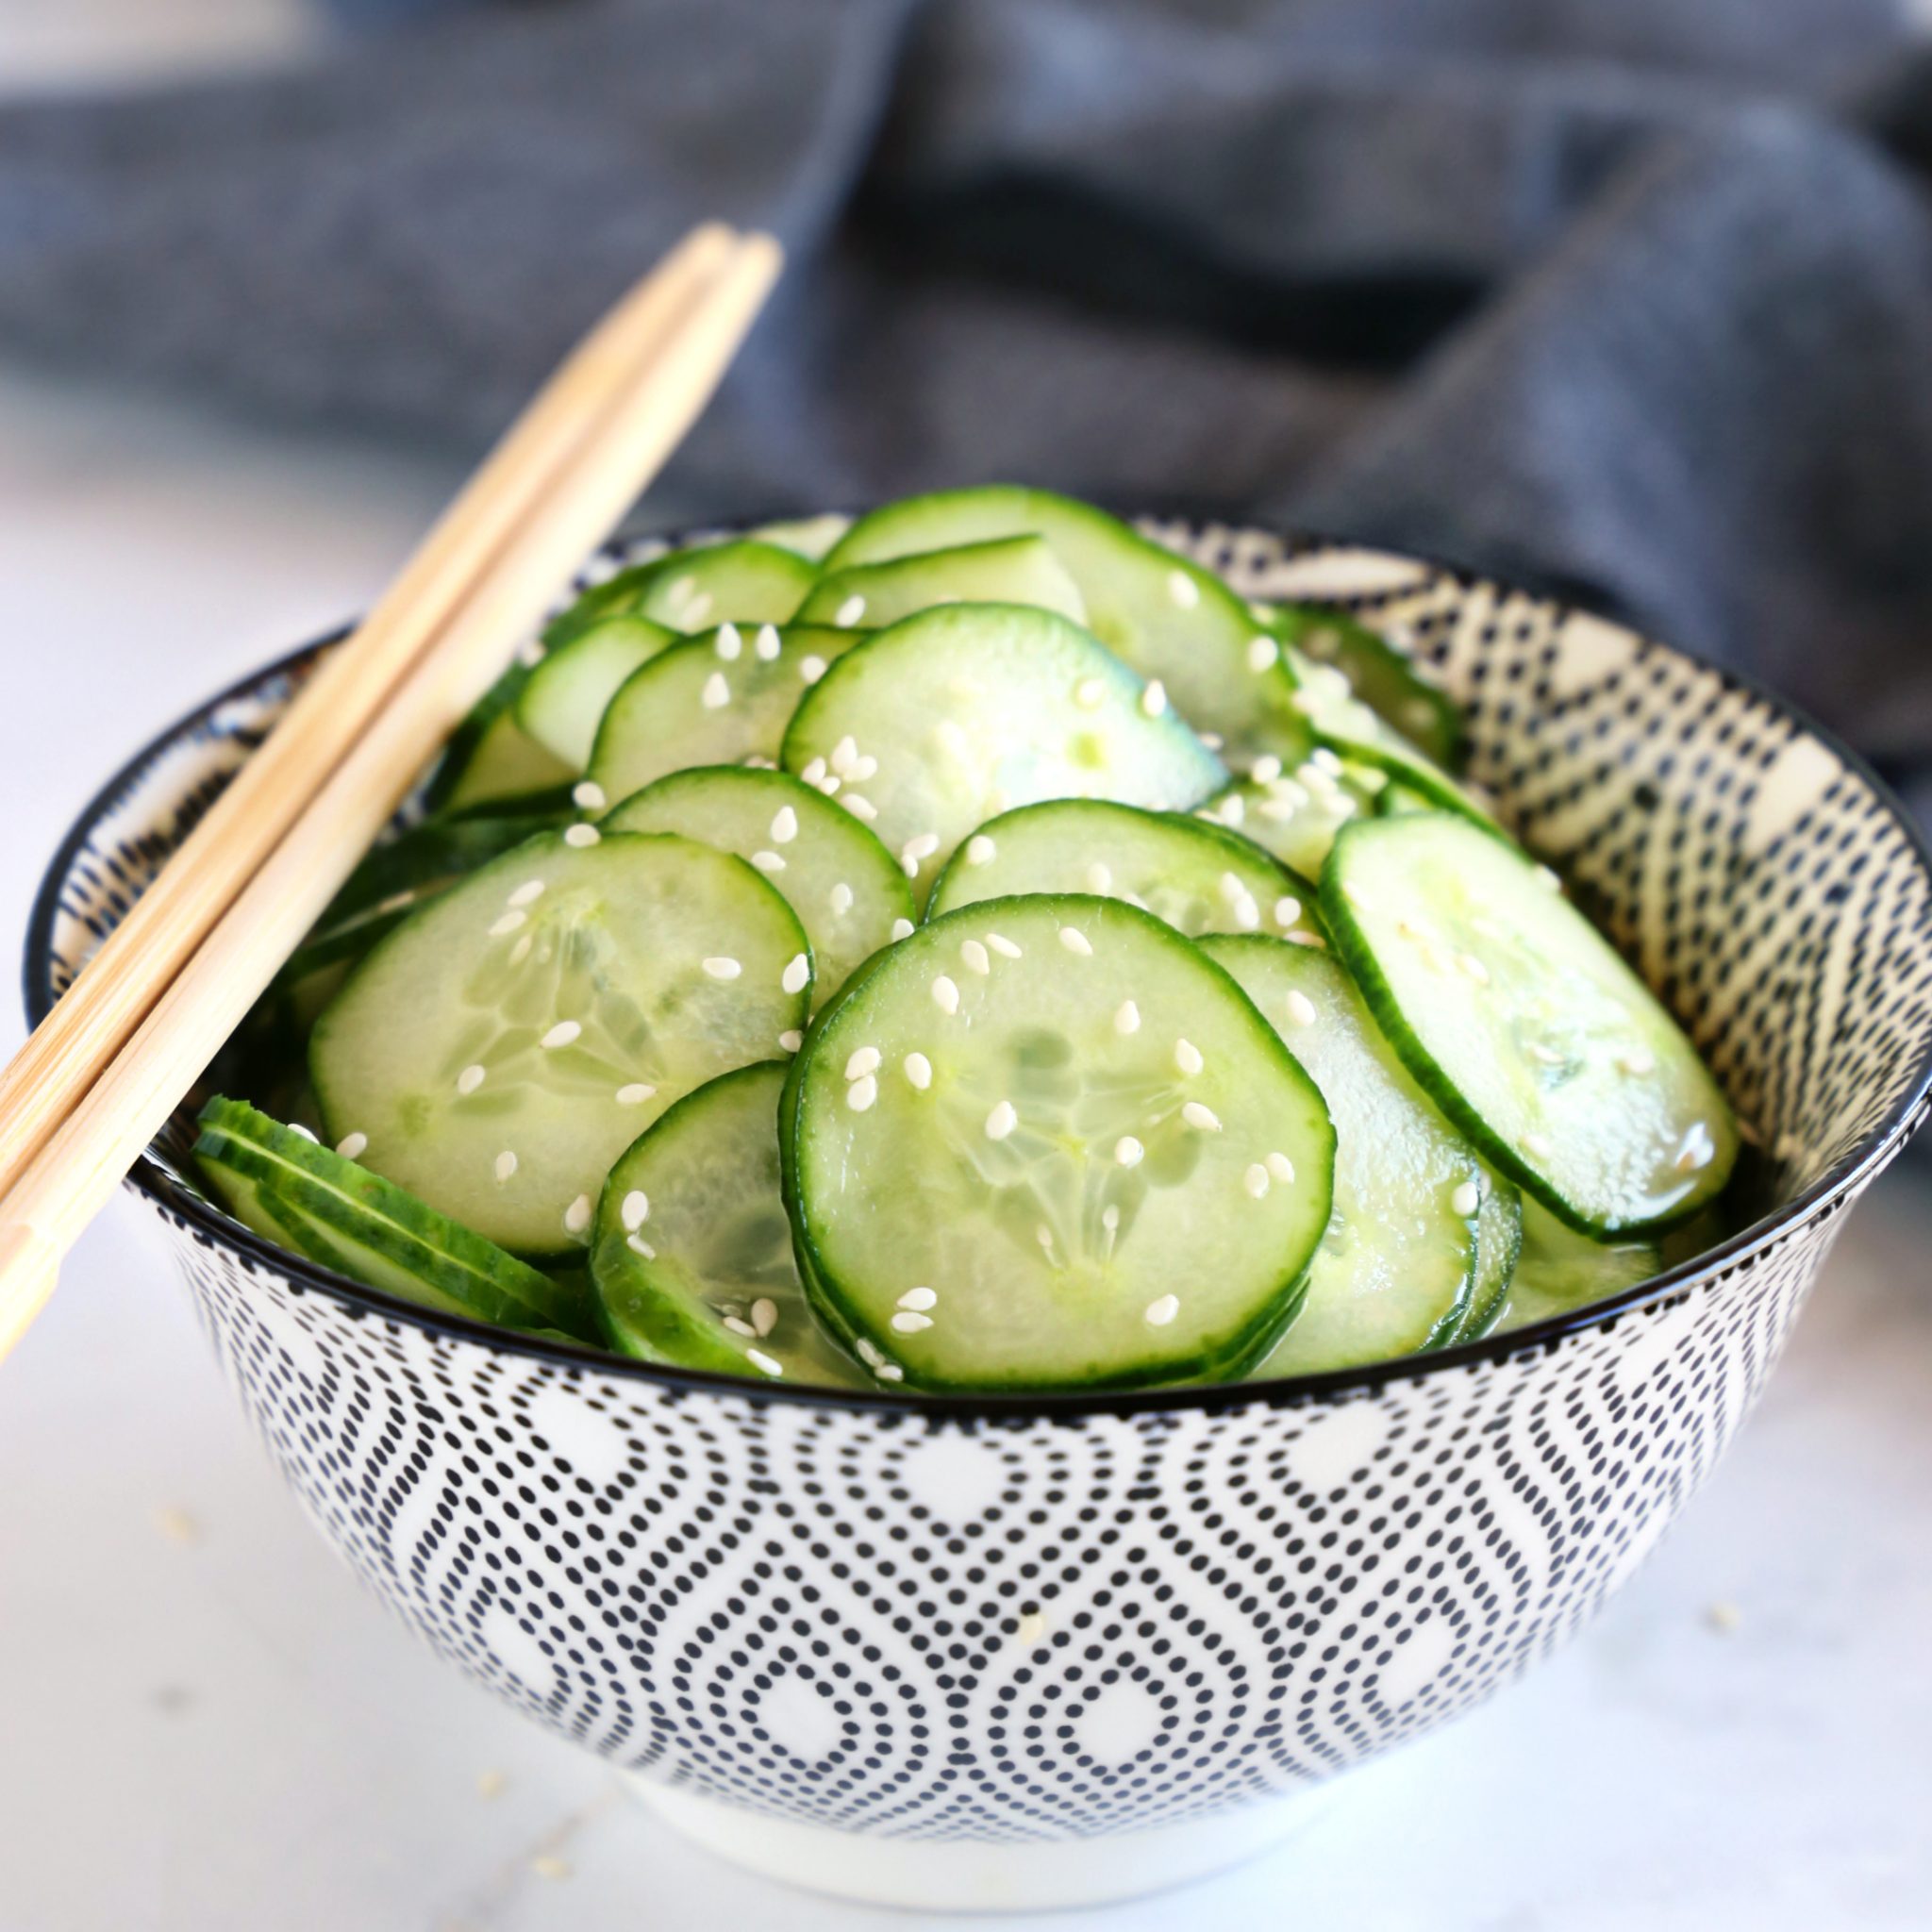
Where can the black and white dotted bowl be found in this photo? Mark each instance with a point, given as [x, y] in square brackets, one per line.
[931, 1651]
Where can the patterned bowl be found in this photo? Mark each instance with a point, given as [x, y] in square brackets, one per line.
[939, 1648]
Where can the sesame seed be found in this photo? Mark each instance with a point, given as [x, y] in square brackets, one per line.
[1287, 912]
[1231, 888]
[760, 1361]
[1301, 1008]
[1127, 1018]
[864, 1060]
[396, 900]
[506, 1165]
[784, 827]
[352, 1146]
[1266, 769]
[1469, 964]
[864, 768]
[1281, 1168]
[909, 1321]
[811, 668]
[1089, 694]
[976, 957]
[1202, 1119]
[1538, 1146]
[1160, 1312]
[1154, 699]
[980, 849]
[767, 645]
[1466, 1199]
[918, 1300]
[888, 1372]
[1212, 740]
[1002, 945]
[1110, 1216]
[764, 1314]
[1127, 1151]
[683, 590]
[698, 608]
[739, 1326]
[1301, 936]
[1638, 1060]
[1076, 942]
[862, 1094]
[521, 951]
[1547, 1054]
[470, 1079]
[588, 795]
[728, 643]
[919, 1070]
[1255, 1180]
[721, 968]
[635, 1094]
[791, 1040]
[508, 925]
[767, 861]
[945, 995]
[922, 846]
[1698, 1150]
[814, 774]
[1263, 653]
[1099, 876]
[842, 899]
[868, 1354]
[531, 652]
[1183, 592]
[576, 1217]
[1187, 1057]
[797, 971]
[829, 784]
[716, 693]
[849, 612]
[859, 808]
[1001, 1121]
[639, 1246]
[565, 1033]
[902, 929]
[635, 1210]
[581, 836]
[1248, 915]
[844, 753]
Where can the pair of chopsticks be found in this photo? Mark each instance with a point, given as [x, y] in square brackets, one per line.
[100, 1076]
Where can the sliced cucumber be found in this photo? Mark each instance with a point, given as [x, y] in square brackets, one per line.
[806, 537]
[1197, 878]
[490, 759]
[1296, 815]
[1044, 1143]
[1498, 1249]
[1379, 674]
[563, 700]
[1009, 570]
[1168, 618]
[720, 700]
[1562, 1270]
[1396, 1269]
[345, 1216]
[693, 1258]
[959, 713]
[848, 891]
[739, 582]
[503, 1046]
[1525, 1025]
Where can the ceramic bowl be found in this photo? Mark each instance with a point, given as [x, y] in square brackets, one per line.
[1053, 1651]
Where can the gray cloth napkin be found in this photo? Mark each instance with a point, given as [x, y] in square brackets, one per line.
[1633, 298]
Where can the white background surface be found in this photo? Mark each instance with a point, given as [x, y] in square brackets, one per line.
[206, 1725]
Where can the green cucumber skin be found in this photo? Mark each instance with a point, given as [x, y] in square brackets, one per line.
[832, 1303]
[1367, 659]
[1002, 569]
[1498, 1253]
[634, 637]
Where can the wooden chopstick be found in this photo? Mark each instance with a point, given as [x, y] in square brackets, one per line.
[482, 596]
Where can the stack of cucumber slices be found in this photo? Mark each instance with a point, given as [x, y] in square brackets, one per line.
[968, 949]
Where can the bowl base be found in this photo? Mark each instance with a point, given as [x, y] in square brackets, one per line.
[923, 1874]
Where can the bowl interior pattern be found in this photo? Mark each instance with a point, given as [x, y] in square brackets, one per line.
[1011, 1621]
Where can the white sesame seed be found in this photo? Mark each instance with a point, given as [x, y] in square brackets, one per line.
[1076, 942]
[1547, 1054]
[1127, 1152]
[1301, 1008]
[1470, 964]
[508, 925]
[1248, 915]
[1466, 1199]
[1266, 769]
[902, 929]
[922, 846]
[721, 968]
[1698, 1149]
[1301, 936]
[1231, 888]
[842, 899]
[698, 608]
[1538, 1146]
[797, 971]
[1003, 945]
[1287, 912]
[588, 795]
[859, 808]
[1202, 1119]
[811, 668]
[470, 1079]
[1154, 699]
[863, 1060]
[396, 900]
[1183, 592]
[576, 1217]
[634, 1210]
[1281, 1168]
[1160, 1312]
[683, 590]
[918, 1300]
[716, 693]
[352, 1146]
[784, 825]
[1187, 1058]
[862, 1092]
[1100, 876]
[1110, 1216]
[1090, 693]
[1638, 1060]
[945, 995]
[814, 774]
[635, 1094]
[1001, 1121]
[506, 1165]
[849, 612]
[767, 645]
[307, 1133]
[1127, 1018]
[868, 1354]
[980, 849]
[909, 1321]
[739, 1326]
[580, 836]
[764, 1314]
[639, 1246]
[767, 861]
[531, 652]
[889, 1371]
[565, 1033]
[864, 768]
[1212, 740]
[976, 957]
[1255, 1180]
[729, 643]
[790, 1040]
[844, 753]
[760, 1361]
[919, 1070]
[1263, 653]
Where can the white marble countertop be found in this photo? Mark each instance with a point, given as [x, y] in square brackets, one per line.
[205, 1724]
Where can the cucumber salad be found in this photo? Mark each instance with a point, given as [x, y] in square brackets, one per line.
[965, 949]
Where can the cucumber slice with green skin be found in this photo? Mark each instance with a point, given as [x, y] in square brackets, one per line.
[1395, 798]
[1525, 1025]
[1166, 617]
[722, 700]
[340, 1213]
[1046, 1143]
[1562, 1270]
[743, 581]
[1396, 1269]
[956, 715]
[489, 759]
[693, 1258]
[1498, 1249]
[1296, 815]
[807, 536]
[848, 891]
[1009, 570]
[1196, 877]
[1379, 674]
[507, 1043]
[563, 702]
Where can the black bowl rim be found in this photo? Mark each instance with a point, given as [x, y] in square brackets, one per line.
[210, 1224]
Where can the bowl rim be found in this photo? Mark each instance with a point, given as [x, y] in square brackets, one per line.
[210, 1224]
